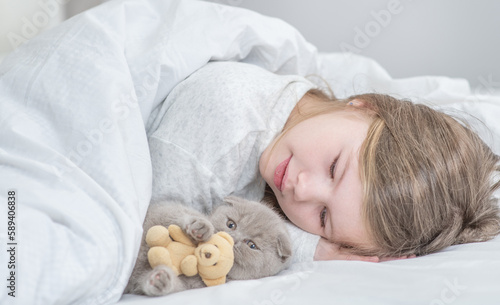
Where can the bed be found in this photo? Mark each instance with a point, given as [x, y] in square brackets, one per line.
[77, 103]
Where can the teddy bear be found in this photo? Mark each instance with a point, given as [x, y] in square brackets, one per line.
[212, 259]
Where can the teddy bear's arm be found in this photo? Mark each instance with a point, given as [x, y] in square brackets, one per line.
[189, 265]
[215, 282]
[178, 235]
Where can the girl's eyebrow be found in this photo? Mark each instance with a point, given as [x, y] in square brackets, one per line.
[346, 167]
[332, 231]
[340, 179]
[345, 244]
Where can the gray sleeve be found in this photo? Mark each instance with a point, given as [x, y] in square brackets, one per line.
[303, 244]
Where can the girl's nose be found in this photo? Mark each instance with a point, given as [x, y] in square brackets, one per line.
[308, 188]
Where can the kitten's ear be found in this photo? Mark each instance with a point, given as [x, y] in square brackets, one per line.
[231, 200]
[284, 247]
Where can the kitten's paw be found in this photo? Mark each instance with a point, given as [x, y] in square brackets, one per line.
[200, 229]
[160, 281]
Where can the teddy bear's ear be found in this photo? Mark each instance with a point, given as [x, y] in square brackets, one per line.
[227, 237]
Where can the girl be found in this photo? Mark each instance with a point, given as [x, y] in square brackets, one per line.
[369, 177]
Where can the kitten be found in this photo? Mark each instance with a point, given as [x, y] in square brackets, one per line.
[262, 246]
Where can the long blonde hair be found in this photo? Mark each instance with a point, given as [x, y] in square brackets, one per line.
[427, 177]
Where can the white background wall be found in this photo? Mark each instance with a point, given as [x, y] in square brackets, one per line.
[21, 20]
[457, 38]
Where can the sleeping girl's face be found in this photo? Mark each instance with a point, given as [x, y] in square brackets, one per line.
[314, 172]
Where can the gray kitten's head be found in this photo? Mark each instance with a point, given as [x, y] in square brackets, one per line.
[262, 246]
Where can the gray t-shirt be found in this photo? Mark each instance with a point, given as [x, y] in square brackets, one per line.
[211, 131]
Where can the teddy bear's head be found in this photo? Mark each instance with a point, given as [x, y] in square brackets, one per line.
[215, 258]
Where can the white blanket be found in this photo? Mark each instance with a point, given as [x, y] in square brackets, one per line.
[76, 105]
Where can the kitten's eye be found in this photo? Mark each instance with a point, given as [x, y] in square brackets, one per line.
[252, 245]
[322, 217]
[231, 224]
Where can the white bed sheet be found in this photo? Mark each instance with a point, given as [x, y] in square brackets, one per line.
[465, 274]
[462, 274]
[76, 103]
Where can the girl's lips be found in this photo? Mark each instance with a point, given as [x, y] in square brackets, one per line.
[279, 173]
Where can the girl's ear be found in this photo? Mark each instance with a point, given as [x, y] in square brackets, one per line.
[358, 103]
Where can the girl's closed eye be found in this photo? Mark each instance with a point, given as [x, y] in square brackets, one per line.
[322, 217]
[332, 168]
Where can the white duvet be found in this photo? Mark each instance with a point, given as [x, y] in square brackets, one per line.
[75, 108]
